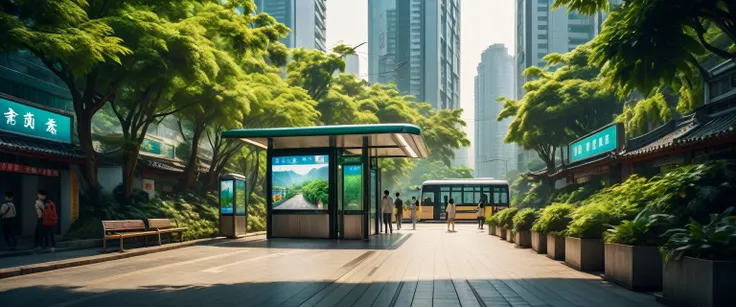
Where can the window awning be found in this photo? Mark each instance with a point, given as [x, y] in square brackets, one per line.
[386, 140]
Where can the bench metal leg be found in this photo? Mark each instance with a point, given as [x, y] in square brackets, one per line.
[159, 238]
[121, 245]
[104, 245]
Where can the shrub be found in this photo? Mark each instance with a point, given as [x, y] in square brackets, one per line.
[553, 219]
[695, 191]
[493, 220]
[524, 219]
[644, 230]
[610, 206]
[713, 241]
[506, 218]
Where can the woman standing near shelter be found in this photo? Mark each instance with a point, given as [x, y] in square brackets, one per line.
[414, 206]
[481, 213]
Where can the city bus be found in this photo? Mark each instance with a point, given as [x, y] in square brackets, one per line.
[467, 193]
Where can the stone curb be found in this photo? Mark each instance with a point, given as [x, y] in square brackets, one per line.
[68, 263]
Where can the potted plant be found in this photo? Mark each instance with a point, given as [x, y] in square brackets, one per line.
[492, 223]
[700, 263]
[507, 222]
[631, 254]
[523, 221]
[547, 231]
[583, 243]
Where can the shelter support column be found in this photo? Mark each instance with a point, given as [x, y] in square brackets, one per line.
[366, 188]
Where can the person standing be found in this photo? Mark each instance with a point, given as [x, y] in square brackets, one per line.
[450, 215]
[481, 214]
[8, 213]
[40, 205]
[399, 204]
[414, 206]
[387, 209]
[50, 219]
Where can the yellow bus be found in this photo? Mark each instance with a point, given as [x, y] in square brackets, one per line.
[466, 193]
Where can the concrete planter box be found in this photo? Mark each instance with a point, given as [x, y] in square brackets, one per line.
[523, 239]
[539, 243]
[698, 282]
[555, 247]
[634, 267]
[584, 254]
[501, 232]
[491, 230]
[510, 236]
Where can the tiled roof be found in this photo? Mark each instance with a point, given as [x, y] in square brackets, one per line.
[715, 127]
[664, 142]
[36, 146]
[161, 164]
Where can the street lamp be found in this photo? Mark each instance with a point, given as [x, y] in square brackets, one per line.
[506, 162]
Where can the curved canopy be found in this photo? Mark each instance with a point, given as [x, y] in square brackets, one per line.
[385, 140]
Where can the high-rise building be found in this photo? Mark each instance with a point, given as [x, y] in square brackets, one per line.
[416, 45]
[495, 78]
[352, 64]
[305, 18]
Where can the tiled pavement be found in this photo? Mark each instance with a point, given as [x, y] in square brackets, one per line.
[426, 267]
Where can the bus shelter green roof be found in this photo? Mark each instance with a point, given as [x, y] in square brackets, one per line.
[386, 140]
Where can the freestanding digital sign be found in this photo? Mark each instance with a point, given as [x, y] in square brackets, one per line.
[233, 206]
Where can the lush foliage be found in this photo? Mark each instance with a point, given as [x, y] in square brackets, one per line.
[525, 218]
[316, 191]
[553, 219]
[610, 206]
[644, 230]
[505, 218]
[695, 191]
[715, 240]
[493, 220]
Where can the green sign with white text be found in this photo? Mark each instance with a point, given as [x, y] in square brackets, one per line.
[598, 143]
[34, 122]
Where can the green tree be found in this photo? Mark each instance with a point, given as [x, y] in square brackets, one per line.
[313, 69]
[72, 38]
[559, 106]
[646, 44]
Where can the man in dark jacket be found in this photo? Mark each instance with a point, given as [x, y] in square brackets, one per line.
[399, 210]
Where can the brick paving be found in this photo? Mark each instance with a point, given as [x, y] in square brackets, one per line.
[426, 267]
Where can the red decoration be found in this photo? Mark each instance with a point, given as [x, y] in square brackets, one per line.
[25, 169]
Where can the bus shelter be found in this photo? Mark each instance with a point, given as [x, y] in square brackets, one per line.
[324, 181]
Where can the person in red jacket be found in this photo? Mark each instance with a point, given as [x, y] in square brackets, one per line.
[49, 218]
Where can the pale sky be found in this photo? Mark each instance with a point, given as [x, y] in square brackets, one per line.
[482, 23]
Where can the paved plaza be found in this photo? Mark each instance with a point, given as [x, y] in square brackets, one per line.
[423, 267]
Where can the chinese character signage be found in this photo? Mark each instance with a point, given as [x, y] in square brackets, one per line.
[158, 149]
[598, 143]
[34, 122]
[25, 169]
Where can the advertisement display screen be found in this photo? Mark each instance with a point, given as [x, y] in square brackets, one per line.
[300, 182]
[240, 197]
[226, 197]
[352, 183]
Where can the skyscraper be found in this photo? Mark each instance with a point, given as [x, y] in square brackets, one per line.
[495, 78]
[305, 18]
[416, 44]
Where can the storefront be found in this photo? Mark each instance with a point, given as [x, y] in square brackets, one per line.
[36, 153]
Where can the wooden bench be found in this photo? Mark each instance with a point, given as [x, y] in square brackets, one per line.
[123, 229]
[166, 226]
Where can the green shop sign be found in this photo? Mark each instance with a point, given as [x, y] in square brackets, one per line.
[595, 144]
[157, 148]
[34, 122]
[351, 159]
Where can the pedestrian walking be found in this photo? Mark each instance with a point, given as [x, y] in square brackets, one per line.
[399, 204]
[8, 214]
[481, 213]
[50, 219]
[39, 205]
[414, 206]
[450, 215]
[387, 208]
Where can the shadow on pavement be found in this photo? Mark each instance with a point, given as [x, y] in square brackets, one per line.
[528, 292]
[378, 242]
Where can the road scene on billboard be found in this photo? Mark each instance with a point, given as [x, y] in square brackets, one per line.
[300, 182]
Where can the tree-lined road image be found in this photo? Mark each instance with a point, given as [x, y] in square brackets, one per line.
[298, 202]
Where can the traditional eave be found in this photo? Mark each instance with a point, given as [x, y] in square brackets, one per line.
[40, 148]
